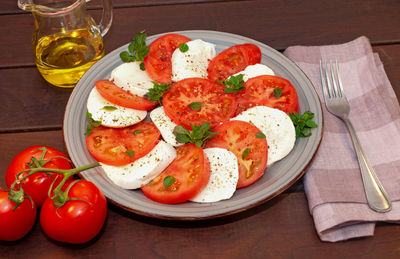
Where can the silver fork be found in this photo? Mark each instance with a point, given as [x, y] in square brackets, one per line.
[337, 104]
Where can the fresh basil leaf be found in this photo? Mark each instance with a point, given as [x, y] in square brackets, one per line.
[91, 124]
[130, 153]
[109, 108]
[311, 124]
[198, 135]
[156, 93]
[142, 66]
[195, 106]
[183, 47]
[260, 135]
[136, 132]
[277, 92]
[245, 153]
[138, 49]
[234, 84]
[303, 123]
[168, 181]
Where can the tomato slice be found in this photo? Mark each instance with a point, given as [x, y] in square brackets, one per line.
[121, 146]
[111, 92]
[216, 105]
[158, 61]
[233, 60]
[259, 91]
[191, 171]
[240, 138]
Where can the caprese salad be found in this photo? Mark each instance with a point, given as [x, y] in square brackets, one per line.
[183, 123]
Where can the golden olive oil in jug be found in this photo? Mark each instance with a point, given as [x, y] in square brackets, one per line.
[66, 39]
[63, 58]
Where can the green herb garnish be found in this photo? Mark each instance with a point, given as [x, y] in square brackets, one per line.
[195, 106]
[130, 153]
[137, 49]
[277, 92]
[136, 132]
[303, 123]
[198, 135]
[109, 108]
[245, 153]
[156, 93]
[183, 47]
[91, 124]
[234, 84]
[260, 135]
[168, 181]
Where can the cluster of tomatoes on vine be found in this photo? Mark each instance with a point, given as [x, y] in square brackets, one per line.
[41, 178]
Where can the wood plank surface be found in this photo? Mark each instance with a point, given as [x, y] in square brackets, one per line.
[33, 104]
[11, 7]
[327, 23]
[281, 228]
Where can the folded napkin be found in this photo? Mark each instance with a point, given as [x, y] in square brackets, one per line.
[333, 183]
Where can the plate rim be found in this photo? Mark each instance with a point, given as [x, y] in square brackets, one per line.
[230, 212]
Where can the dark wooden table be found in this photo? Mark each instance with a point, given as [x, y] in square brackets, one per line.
[32, 113]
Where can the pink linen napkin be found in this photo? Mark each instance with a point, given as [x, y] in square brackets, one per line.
[333, 183]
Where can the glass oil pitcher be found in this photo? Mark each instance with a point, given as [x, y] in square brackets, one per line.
[66, 40]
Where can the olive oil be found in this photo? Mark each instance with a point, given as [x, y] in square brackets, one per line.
[63, 58]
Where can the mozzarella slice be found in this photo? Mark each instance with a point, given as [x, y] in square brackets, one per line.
[131, 78]
[255, 70]
[112, 115]
[165, 125]
[193, 62]
[223, 178]
[277, 127]
[143, 170]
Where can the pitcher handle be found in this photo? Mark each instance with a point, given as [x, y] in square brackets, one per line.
[106, 17]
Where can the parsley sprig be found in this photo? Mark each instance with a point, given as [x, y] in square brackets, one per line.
[137, 50]
[156, 93]
[91, 124]
[234, 84]
[303, 123]
[198, 135]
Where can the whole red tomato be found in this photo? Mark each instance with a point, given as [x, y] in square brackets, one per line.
[80, 219]
[15, 224]
[38, 184]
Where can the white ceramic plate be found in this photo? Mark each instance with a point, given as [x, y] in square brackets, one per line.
[277, 178]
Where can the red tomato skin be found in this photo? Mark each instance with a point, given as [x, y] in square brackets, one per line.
[217, 106]
[38, 184]
[236, 136]
[158, 61]
[181, 190]
[233, 60]
[103, 140]
[114, 94]
[260, 91]
[15, 224]
[79, 221]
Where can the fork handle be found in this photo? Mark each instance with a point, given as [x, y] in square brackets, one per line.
[377, 197]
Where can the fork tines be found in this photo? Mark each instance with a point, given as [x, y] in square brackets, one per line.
[331, 82]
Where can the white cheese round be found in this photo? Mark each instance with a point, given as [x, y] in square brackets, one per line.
[131, 78]
[165, 125]
[112, 115]
[223, 178]
[194, 62]
[143, 170]
[255, 70]
[277, 127]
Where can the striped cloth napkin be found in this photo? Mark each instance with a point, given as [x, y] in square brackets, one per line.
[333, 183]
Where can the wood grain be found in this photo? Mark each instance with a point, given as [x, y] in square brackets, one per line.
[270, 22]
[281, 228]
[11, 7]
